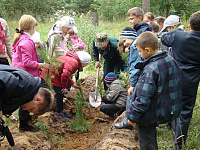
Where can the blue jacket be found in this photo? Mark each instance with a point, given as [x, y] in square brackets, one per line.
[133, 59]
[157, 95]
[17, 87]
[143, 27]
[186, 51]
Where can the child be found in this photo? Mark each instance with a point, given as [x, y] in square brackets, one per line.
[135, 17]
[69, 43]
[77, 42]
[148, 17]
[185, 50]
[59, 30]
[115, 99]
[62, 80]
[5, 43]
[25, 57]
[160, 20]
[157, 94]
[39, 45]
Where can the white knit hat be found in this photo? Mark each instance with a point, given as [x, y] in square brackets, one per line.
[67, 21]
[84, 57]
[36, 37]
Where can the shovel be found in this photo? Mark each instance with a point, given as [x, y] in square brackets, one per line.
[95, 97]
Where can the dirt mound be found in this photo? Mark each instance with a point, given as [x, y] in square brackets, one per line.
[56, 134]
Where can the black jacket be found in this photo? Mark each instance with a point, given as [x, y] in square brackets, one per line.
[17, 87]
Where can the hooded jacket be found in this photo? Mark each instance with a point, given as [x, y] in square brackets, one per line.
[60, 47]
[25, 55]
[117, 93]
[143, 27]
[17, 87]
[70, 64]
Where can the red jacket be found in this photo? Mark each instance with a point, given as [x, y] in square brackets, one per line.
[70, 64]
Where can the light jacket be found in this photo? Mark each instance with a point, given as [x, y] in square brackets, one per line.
[25, 55]
[157, 95]
[7, 41]
[78, 42]
[61, 46]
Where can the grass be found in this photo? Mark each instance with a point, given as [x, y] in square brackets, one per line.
[164, 138]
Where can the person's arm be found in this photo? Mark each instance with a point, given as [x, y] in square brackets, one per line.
[168, 38]
[80, 44]
[8, 43]
[113, 93]
[145, 89]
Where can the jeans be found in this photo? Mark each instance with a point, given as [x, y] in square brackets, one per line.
[125, 120]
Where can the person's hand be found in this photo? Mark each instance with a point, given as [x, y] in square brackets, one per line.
[182, 27]
[131, 123]
[130, 90]
[97, 64]
[64, 90]
[44, 65]
[76, 86]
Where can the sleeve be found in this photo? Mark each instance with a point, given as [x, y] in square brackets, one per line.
[141, 99]
[81, 45]
[95, 52]
[133, 72]
[7, 41]
[113, 93]
[168, 38]
[27, 50]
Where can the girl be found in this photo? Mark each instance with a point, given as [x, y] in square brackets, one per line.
[25, 57]
[77, 42]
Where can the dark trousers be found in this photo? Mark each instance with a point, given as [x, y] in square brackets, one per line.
[182, 124]
[147, 137]
[4, 61]
[24, 117]
[110, 109]
[113, 66]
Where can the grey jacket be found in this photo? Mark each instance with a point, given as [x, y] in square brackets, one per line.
[117, 93]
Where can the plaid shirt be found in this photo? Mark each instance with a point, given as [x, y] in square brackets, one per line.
[157, 94]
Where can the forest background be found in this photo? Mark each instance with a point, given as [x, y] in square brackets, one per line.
[112, 19]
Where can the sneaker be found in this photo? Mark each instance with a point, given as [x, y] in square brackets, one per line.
[28, 128]
[121, 125]
[67, 115]
[12, 117]
[61, 116]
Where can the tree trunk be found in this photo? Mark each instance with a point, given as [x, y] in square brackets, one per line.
[146, 6]
[167, 11]
[95, 19]
[118, 139]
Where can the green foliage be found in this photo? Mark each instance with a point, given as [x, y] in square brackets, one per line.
[49, 57]
[54, 139]
[100, 86]
[80, 124]
[125, 77]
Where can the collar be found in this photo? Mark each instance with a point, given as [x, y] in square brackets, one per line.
[195, 33]
[28, 34]
[140, 65]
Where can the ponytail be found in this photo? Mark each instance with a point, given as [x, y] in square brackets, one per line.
[17, 35]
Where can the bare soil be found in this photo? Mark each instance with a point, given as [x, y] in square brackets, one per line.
[62, 137]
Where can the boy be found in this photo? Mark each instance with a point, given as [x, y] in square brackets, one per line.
[185, 50]
[160, 20]
[62, 80]
[19, 88]
[107, 47]
[115, 99]
[157, 94]
[135, 17]
[148, 17]
[171, 23]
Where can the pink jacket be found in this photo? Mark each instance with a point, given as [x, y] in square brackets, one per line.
[25, 55]
[78, 42]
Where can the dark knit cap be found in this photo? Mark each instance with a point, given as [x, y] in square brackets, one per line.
[128, 33]
[110, 77]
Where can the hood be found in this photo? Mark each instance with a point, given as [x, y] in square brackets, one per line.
[56, 29]
[75, 56]
[117, 81]
[23, 36]
[142, 28]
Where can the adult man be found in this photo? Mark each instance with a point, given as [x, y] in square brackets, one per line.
[107, 47]
[185, 50]
[19, 88]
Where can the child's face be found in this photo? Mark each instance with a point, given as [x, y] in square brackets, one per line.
[65, 29]
[75, 35]
[133, 20]
[128, 42]
[144, 53]
[170, 28]
[146, 19]
[107, 84]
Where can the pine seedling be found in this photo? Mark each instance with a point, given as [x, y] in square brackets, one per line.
[80, 124]
[124, 77]
[49, 57]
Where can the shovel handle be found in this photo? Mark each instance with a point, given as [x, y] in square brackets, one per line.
[96, 86]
